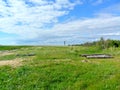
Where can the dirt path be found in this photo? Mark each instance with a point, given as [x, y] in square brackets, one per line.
[13, 63]
[5, 53]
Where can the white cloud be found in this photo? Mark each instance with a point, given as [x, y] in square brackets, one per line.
[29, 20]
[30, 16]
[113, 10]
[97, 2]
[78, 31]
[110, 34]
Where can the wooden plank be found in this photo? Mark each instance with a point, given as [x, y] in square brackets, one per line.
[97, 55]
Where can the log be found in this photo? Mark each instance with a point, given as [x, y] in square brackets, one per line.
[97, 56]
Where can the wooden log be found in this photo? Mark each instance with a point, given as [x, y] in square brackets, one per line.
[96, 55]
[99, 56]
[29, 54]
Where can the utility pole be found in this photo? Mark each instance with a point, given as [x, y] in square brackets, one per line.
[64, 43]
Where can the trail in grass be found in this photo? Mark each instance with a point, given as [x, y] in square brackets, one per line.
[14, 62]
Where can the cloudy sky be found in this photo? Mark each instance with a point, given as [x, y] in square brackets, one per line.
[51, 22]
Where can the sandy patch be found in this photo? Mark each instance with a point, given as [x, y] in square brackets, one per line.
[3, 53]
[13, 63]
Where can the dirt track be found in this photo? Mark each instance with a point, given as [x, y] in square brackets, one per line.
[13, 63]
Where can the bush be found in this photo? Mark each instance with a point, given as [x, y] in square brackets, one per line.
[103, 44]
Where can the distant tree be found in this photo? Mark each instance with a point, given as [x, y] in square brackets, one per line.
[101, 43]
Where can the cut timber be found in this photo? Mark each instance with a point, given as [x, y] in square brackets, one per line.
[30, 54]
[96, 56]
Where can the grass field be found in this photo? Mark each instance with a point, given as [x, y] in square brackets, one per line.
[58, 68]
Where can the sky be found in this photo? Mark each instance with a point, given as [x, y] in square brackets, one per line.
[51, 22]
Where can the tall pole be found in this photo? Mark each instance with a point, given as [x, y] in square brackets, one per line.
[64, 43]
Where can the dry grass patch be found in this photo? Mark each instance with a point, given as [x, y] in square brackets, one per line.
[14, 63]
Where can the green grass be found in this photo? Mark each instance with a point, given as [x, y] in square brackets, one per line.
[12, 47]
[7, 57]
[61, 68]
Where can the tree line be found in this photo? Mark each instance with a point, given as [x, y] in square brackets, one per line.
[102, 43]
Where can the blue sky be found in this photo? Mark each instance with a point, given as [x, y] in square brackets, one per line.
[51, 22]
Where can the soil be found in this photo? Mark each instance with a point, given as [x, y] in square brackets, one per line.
[13, 63]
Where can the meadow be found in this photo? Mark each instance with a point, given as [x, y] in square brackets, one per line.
[58, 68]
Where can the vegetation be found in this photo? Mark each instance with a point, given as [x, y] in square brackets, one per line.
[103, 44]
[11, 47]
[61, 68]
